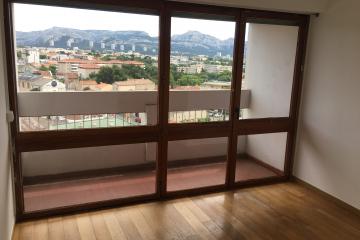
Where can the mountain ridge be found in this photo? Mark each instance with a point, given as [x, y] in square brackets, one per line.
[191, 42]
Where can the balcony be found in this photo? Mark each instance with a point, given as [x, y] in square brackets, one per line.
[67, 177]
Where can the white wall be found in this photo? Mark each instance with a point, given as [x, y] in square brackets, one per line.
[269, 69]
[269, 148]
[80, 159]
[7, 218]
[269, 72]
[328, 146]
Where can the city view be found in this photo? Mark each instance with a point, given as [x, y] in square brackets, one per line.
[58, 58]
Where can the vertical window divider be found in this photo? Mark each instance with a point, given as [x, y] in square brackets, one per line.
[163, 98]
[296, 95]
[238, 56]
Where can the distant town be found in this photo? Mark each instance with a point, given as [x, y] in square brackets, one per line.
[112, 68]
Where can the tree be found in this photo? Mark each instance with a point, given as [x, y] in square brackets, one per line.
[43, 56]
[110, 75]
[92, 75]
[106, 58]
[52, 69]
[190, 80]
[224, 76]
[19, 54]
[43, 68]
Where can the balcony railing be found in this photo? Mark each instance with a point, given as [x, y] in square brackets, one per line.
[40, 111]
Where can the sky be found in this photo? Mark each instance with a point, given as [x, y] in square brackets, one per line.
[35, 17]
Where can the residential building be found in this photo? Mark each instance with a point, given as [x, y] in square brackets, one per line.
[197, 68]
[134, 84]
[84, 70]
[210, 68]
[216, 85]
[33, 56]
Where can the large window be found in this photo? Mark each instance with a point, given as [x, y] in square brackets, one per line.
[66, 50]
[201, 61]
[268, 71]
[124, 101]
[66, 177]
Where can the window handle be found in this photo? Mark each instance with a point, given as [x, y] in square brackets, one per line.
[237, 112]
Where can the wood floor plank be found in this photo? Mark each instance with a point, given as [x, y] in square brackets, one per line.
[100, 228]
[157, 219]
[71, 229]
[56, 229]
[16, 233]
[145, 229]
[41, 230]
[281, 211]
[85, 226]
[26, 231]
[111, 222]
[130, 230]
[194, 222]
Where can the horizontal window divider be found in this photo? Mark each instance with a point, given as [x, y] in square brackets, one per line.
[52, 140]
[195, 191]
[129, 6]
[198, 130]
[88, 206]
[263, 125]
[258, 182]
[193, 10]
[269, 17]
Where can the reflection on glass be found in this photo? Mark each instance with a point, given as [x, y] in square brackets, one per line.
[79, 50]
[260, 156]
[196, 163]
[52, 179]
[201, 60]
[268, 69]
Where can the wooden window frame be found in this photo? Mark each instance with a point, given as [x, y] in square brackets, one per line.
[163, 131]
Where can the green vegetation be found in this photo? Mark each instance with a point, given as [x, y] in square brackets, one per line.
[184, 79]
[106, 58]
[220, 61]
[42, 56]
[19, 55]
[150, 71]
[51, 68]
[115, 73]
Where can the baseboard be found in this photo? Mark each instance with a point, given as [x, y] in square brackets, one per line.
[13, 232]
[86, 174]
[261, 163]
[328, 196]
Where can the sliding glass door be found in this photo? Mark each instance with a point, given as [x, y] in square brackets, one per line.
[124, 102]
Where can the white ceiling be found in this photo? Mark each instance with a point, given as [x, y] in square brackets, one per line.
[298, 6]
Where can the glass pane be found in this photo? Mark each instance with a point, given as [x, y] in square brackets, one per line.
[200, 70]
[269, 60]
[67, 177]
[196, 163]
[260, 156]
[67, 51]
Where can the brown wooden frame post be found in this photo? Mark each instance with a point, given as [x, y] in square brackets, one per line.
[12, 90]
[296, 95]
[164, 75]
[238, 57]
